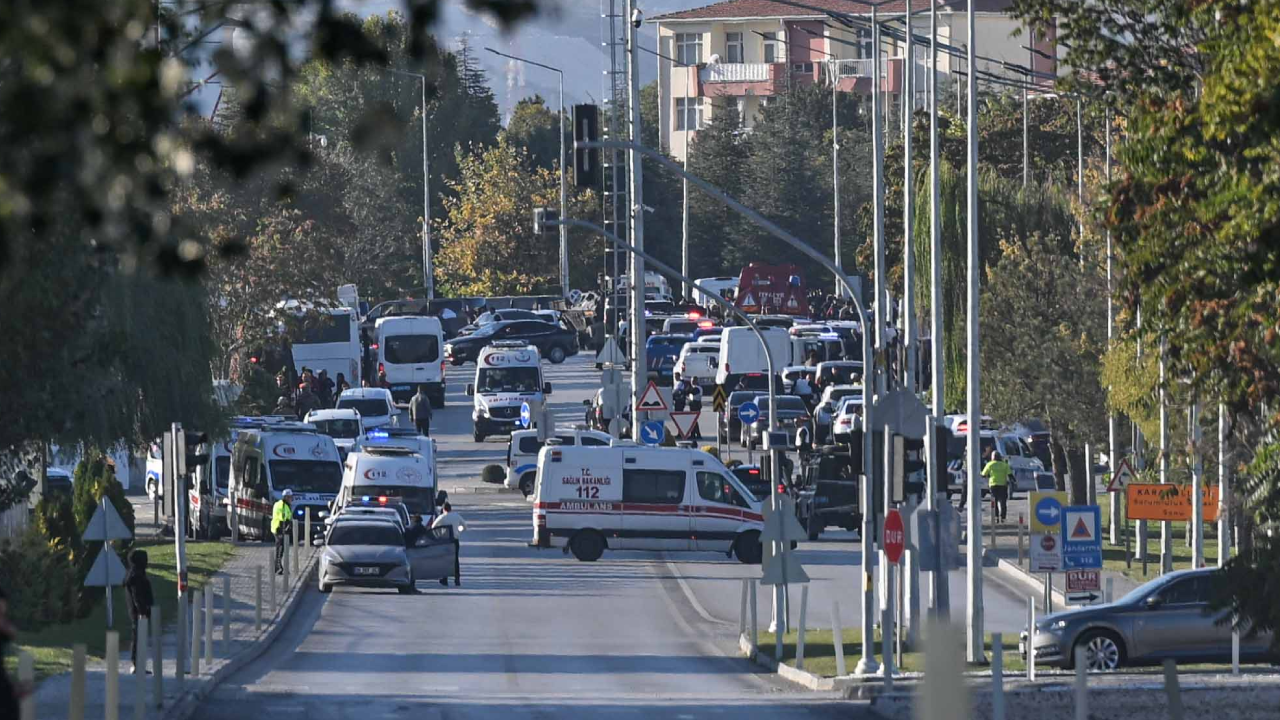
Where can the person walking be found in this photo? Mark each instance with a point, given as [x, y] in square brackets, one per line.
[997, 472]
[420, 411]
[281, 523]
[679, 393]
[138, 587]
[454, 520]
[324, 389]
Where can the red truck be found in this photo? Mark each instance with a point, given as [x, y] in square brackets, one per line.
[772, 289]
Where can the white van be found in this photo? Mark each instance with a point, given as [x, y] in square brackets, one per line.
[698, 361]
[409, 351]
[741, 353]
[394, 472]
[508, 375]
[522, 453]
[629, 497]
[341, 424]
[266, 460]
[717, 285]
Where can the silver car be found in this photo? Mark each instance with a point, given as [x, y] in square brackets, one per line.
[1168, 617]
[370, 552]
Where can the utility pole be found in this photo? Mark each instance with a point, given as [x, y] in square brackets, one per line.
[909, 345]
[1026, 163]
[684, 187]
[1166, 528]
[976, 651]
[1139, 453]
[835, 170]
[877, 183]
[1196, 527]
[1224, 526]
[636, 209]
[1114, 520]
[941, 590]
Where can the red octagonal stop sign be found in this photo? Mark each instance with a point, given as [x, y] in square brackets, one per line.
[895, 537]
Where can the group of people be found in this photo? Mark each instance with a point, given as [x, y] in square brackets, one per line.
[314, 392]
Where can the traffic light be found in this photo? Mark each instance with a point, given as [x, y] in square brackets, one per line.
[193, 457]
[914, 467]
[545, 221]
[586, 161]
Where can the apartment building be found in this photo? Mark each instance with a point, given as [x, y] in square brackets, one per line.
[745, 52]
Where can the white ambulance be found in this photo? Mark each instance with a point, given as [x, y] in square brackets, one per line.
[266, 460]
[522, 453]
[508, 375]
[392, 471]
[630, 497]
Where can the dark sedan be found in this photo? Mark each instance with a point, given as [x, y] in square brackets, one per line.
[729, 425]
[554, 342]
[1167, 618]
[792, 414]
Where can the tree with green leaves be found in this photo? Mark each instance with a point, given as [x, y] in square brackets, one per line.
[536, 128]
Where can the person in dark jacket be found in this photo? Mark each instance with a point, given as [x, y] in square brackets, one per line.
[138, 586]
[324, 389]
[420, 411]
[10, 692]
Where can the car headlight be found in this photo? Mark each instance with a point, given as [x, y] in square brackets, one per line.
[331, 557]
[1055, 626]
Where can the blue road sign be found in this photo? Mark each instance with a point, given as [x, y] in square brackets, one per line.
[1049, 511]
[748, 412]
[653, 432]
[1081, 537]
[526, 415]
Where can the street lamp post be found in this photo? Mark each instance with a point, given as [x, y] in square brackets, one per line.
[564, 211]
[973, 406]
[428, 274]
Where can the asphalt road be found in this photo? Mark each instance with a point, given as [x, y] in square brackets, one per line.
[535, 633]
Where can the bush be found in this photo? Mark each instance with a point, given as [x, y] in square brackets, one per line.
[493, 474]
[40, 579]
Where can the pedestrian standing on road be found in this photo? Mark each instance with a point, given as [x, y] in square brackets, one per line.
[997, 472]
[382, 380]
[420, 411]
[324, 389]
[454, 520]
[307, 400]
[679, 393]
[281, 522]
[340, 387]
[138, 587]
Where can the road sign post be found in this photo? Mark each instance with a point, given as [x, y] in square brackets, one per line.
[685, 423]
[1046, 530]
[1082, 537]
[894, 535]
[526, 416]
[1084, 587]
[653, 432]
[107, 571]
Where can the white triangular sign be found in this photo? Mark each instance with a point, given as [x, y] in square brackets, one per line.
[651, 399]
[1121, 477]
[106, 525]
[685, 422]
[792, 303]
[610, 354]
[749, 300]
[107, 569]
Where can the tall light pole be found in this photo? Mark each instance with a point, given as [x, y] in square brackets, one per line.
[835, 168]
[908, 212]
[941, 589]
[564, 210]
[639, 363]
[973, 406]
[1114, 520]
[428, 273]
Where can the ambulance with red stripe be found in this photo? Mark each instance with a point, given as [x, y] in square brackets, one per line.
[267, 460]
[631, 497]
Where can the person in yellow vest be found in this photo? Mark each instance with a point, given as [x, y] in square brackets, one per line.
[997, 472]
[281, 522]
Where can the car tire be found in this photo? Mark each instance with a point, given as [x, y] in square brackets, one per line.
[556, 355]
[587, 545]
[1104, 651]
[477, 435]
[325, 588]
[456, 362]
[527, 483]
[748, 549]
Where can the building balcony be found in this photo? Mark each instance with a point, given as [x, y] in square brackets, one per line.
[855, 75]
[738, 79]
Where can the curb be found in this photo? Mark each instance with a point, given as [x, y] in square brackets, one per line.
[187, 703]
[1012, 572]
[803, 678]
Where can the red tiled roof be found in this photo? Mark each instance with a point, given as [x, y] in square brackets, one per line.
[815, 8]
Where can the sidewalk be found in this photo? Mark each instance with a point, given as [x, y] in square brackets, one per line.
[53, 695]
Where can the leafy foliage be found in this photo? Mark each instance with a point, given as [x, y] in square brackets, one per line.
[40, 580]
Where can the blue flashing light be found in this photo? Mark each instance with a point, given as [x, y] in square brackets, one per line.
[377, 435]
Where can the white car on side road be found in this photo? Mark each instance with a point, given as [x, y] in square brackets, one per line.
[375, 405]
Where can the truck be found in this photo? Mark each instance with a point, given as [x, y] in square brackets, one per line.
[772, 289]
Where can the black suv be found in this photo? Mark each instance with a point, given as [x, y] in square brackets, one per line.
[554, 342]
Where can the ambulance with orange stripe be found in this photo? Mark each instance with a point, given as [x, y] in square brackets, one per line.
[268, 459]
[632, 497]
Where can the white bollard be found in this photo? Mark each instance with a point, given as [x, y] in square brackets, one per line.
[284, 579]
[272, 607]
[157, 656]
[226, 616]
[943, 691]
[182, 637]
[306, 531]
[208, 626]
[1235, 650]
[257, 600]
[1031, 638]
[837, 638]
[196, 631]
[1172, 692]
[140, 670]
[27, 677]
[886, 647]
[293, 540]
[1108, 593]
[804, 607]
[742, 609]
[76, 711]
[755, 623]
[1082, 685]
[997, 676]
[111, 700]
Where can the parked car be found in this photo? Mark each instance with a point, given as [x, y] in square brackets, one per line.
[729, 425]
[555, 343]
[847, 419]
[792, 413]
[828, 404]
[1167, 618]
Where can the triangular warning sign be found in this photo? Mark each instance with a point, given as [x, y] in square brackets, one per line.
[106, 569]
[1121, 478]
[610, 353]
[792, 303]
[1081, 532]
[685, 422]
[106, 525]
[651, 399]
[749, 300]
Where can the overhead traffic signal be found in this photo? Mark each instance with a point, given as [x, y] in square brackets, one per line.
[586, 161]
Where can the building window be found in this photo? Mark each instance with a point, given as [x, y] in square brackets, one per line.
[688, 114]
[733, 47]
[770, 47]
[864, 43]
[688, 48]
[802, 67]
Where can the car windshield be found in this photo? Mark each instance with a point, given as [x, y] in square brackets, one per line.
[307, 476]
[839, 394]
[486, 329]
[366, 534]
[682, 326]
[411, 349]
[367, 407]
[841, 373]
[851, 404]
[737, 398]
[419, 499]
[508, 379]
[221, 470]
[786, 403]
[339, 429]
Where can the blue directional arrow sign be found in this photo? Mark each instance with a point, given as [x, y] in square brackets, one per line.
[653, 432]
[748, 412]
[526, 415]
[1049, 511]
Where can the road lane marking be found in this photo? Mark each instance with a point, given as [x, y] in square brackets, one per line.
[689, 595]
